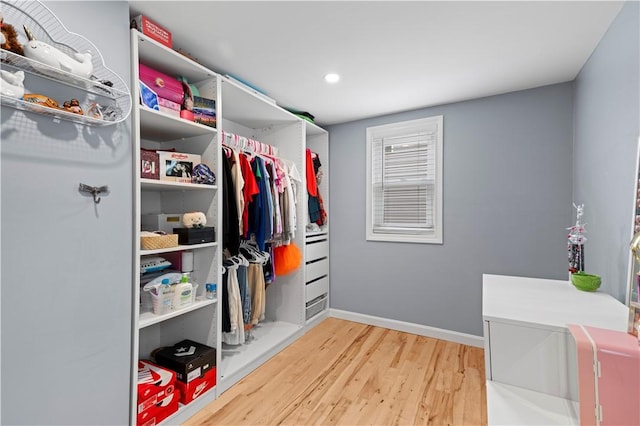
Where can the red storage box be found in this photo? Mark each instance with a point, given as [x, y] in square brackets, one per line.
[147, 27]
[163, 85]
[160, 411]
[195, 388]
[155, 384]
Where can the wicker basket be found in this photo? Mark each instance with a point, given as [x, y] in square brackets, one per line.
[158, 241]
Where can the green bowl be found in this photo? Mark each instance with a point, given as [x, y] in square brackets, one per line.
[585, 282]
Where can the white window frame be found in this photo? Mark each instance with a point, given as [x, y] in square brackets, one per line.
[403, 129]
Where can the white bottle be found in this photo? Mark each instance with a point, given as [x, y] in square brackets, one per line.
[162, 299]
[183, 293]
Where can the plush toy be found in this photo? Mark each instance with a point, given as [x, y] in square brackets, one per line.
[79, 64]
[9, 38]
[11, 84]
[194, 220]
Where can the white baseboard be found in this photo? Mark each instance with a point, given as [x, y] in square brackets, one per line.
[407, 327]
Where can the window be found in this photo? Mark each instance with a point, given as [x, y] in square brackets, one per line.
[404, 181]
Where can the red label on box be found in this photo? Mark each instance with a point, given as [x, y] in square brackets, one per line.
[195, 388]
[153, 30]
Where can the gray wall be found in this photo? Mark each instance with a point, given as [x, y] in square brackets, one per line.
[66, 263]
[507, 202]
[606, 140]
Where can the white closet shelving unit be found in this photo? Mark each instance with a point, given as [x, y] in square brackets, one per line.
[317, 243]
[246, 114]
[156, 130]
[243, 112]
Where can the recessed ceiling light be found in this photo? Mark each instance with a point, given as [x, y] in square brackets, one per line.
[331, 78]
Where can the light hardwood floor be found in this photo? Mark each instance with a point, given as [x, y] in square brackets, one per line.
[346, 373]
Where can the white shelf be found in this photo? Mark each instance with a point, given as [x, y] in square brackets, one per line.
[268, 339]
[167, 185]
[149, 318]
[158, 130]
[178, 248]
[511, 405]
[161, 127]
[313, 129]
[168, 61]
[104, 95]
[243, 107]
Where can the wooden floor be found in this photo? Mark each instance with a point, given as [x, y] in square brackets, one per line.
[346, 373]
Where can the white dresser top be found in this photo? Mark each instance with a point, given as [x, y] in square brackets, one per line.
[548, 304]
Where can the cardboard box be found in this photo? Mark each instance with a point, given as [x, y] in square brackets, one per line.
[149, 28]
[149, 164]
[188, 236]
[160, 222]
[195, 388]
[160, 411]
[155, 383]
[190, 360]
[177, 166]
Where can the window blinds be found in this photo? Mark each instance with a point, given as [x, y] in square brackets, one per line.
[403, 183]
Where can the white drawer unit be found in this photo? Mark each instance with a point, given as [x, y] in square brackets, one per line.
[316, 274]
[317, 288]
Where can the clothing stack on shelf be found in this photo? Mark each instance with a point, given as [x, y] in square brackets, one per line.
[259, 213]
[317, 213]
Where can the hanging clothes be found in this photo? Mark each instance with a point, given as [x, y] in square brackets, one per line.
[257, 290]
[236, 335]
[230, 230]
[317, 214]
[312, 186]
[245, 294]
[238, 184]
[249, 191]
[226, 320]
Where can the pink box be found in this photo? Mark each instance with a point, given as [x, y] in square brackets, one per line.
[609, 393]
[163, 85]
[169, 107]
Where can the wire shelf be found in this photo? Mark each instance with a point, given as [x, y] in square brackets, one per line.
[45, 26]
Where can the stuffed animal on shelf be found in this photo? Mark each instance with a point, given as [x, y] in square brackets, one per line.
[9, 38]
[12, 84]
[194, 220]
[79, 64]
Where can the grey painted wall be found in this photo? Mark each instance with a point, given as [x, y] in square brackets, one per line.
[507, 202]
[66, 263]
[606, 139]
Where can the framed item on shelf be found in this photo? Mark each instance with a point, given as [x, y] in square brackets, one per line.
[177, 166]
[149, 164]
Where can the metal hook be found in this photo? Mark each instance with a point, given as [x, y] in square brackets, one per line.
[94, 190]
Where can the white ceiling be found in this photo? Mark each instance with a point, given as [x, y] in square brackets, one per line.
[392, 56]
